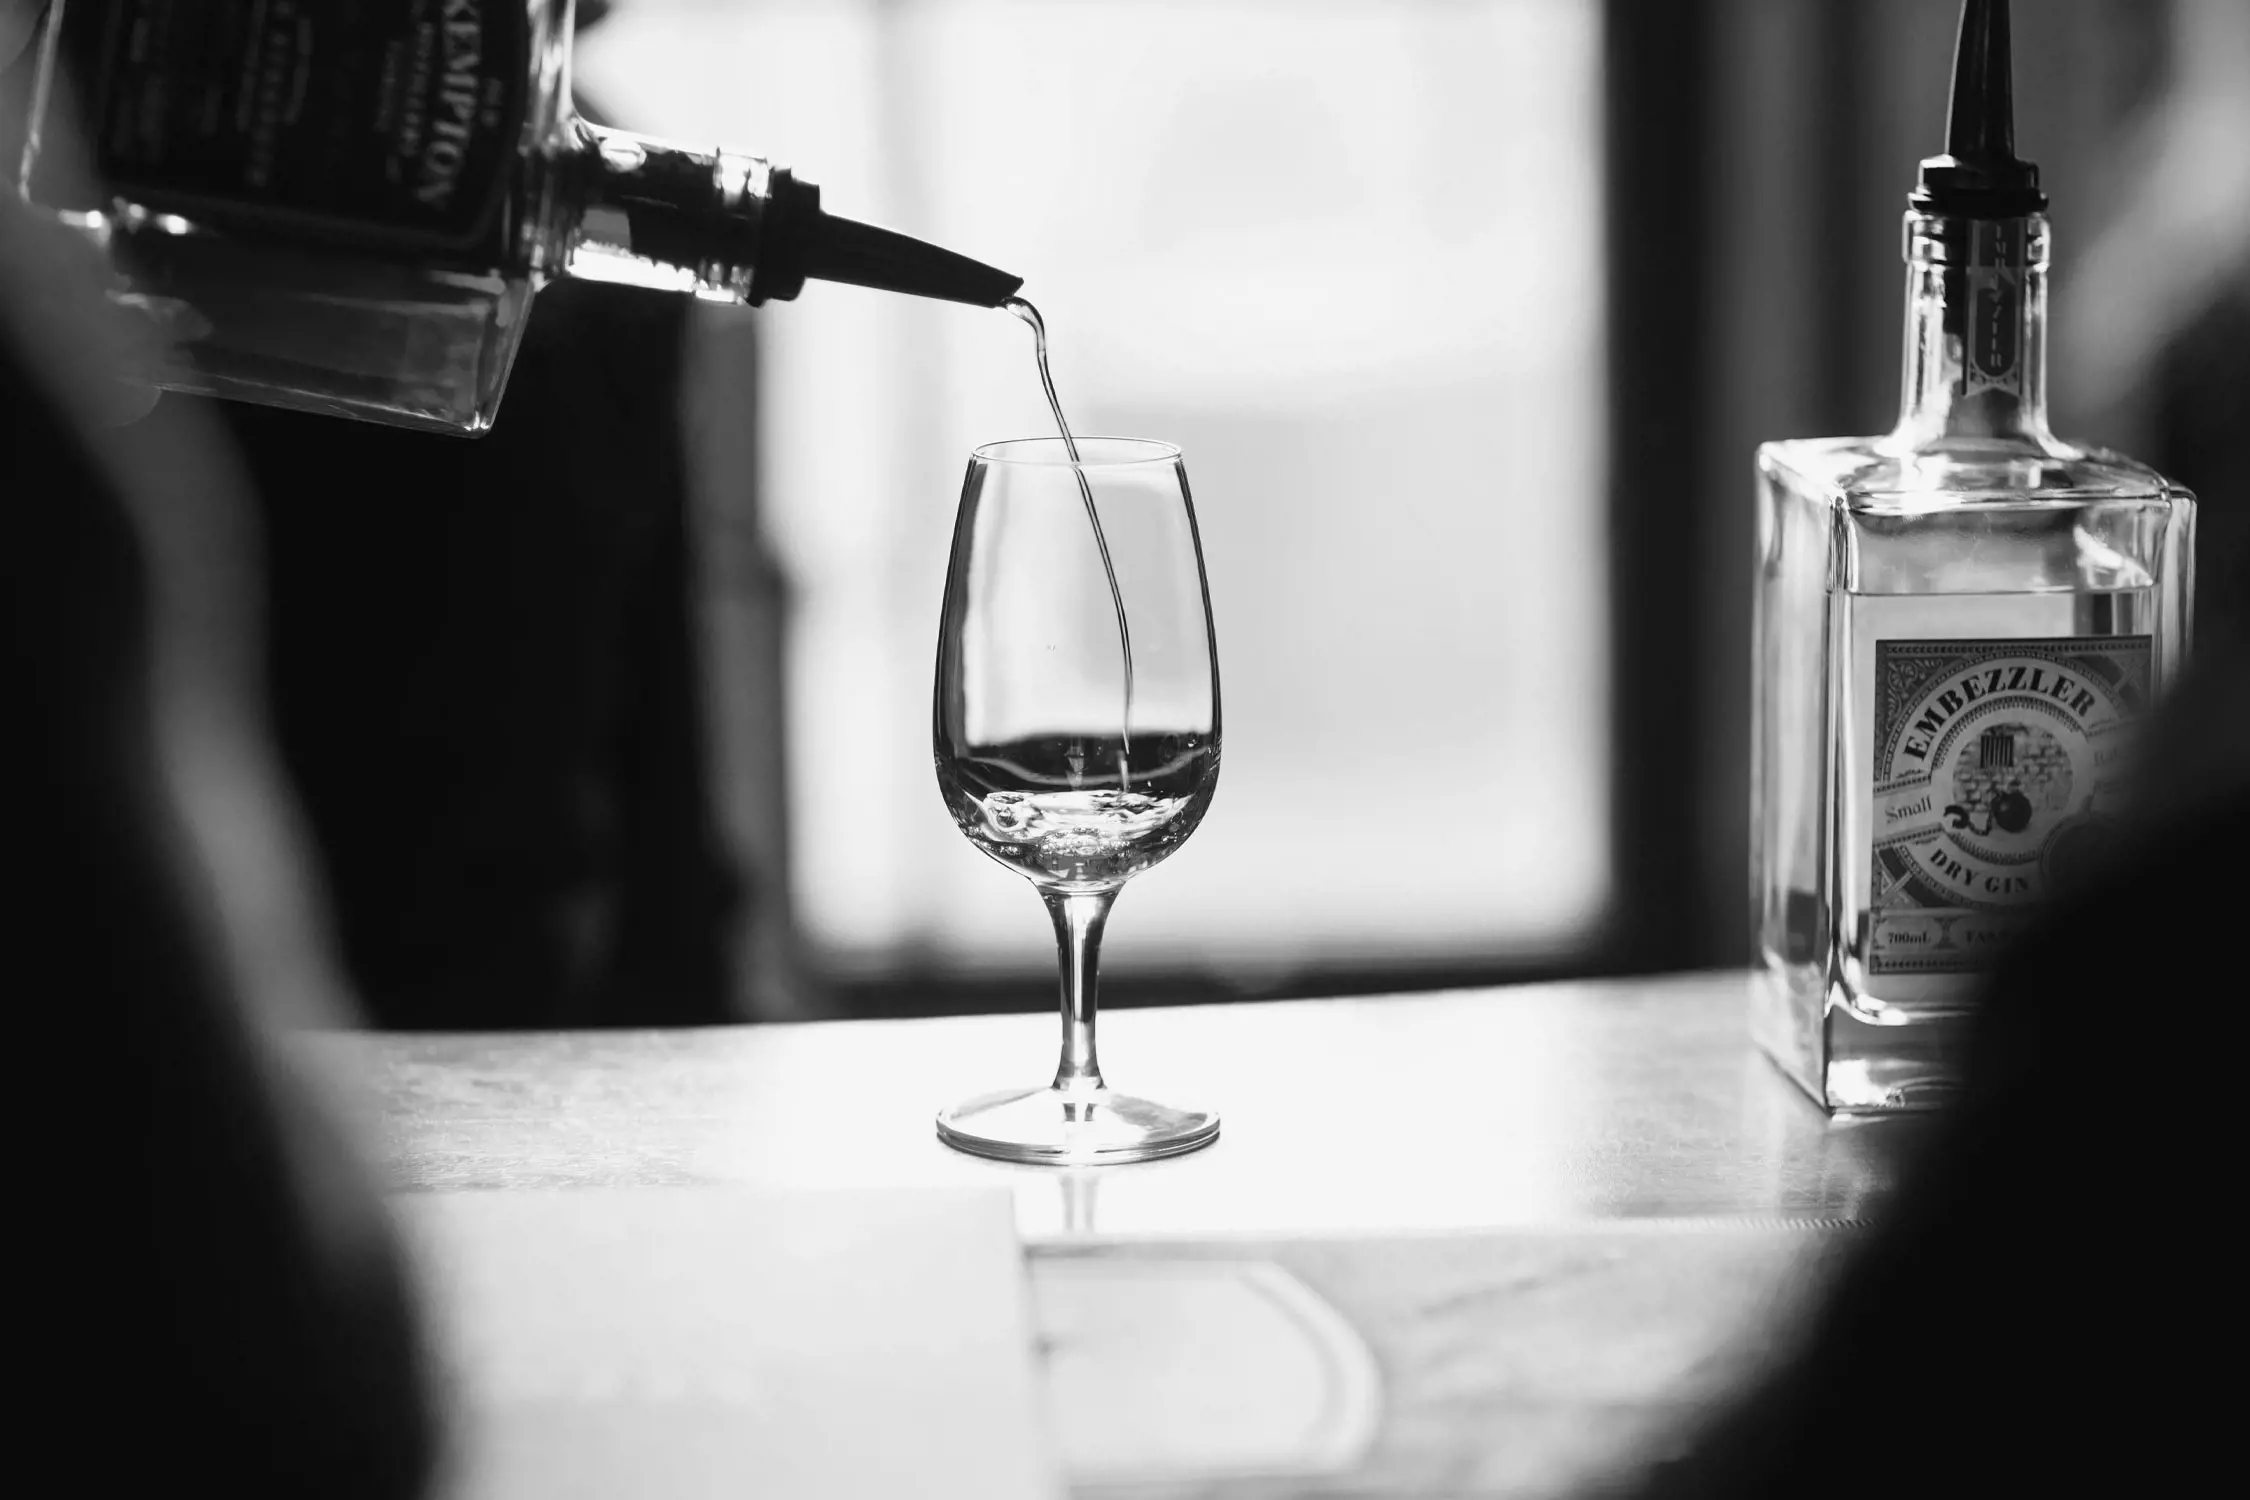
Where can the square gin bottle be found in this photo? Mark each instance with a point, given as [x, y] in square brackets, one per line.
[1956, 627]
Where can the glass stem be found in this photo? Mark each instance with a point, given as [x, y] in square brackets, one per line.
[1078, 942]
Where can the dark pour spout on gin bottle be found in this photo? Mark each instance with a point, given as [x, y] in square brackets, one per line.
[1030, 314]
[1976, 249]
[1980, 176]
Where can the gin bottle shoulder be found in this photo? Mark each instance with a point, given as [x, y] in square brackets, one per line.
[1876, 474]
[1972, 517]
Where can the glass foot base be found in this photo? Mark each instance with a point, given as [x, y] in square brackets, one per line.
[1083, 1127]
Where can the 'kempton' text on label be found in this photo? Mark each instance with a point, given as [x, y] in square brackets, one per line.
[453, 114]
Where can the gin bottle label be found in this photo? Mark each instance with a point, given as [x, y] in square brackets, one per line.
[1995, 769]
[390, 122]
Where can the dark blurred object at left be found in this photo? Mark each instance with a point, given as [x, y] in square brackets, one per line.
[482, 659]
[218, 1301]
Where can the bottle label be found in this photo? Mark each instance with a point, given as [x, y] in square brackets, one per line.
[378, 121]
[1996, 771]
[1993, 358]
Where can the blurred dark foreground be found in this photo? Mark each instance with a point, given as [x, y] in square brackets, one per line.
[2026, 1319]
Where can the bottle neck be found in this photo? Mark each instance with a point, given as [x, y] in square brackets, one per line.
[643, 212]
[1976, 334]
[731, 228]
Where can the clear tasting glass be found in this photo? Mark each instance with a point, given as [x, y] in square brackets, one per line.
[1076, 732]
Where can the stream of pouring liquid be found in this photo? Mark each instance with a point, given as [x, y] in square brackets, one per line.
[1030, 314]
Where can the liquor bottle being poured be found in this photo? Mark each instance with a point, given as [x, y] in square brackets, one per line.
[1956, 626]
[347, 209]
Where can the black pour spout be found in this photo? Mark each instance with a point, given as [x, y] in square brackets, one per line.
[798, 241]
[1980, 176]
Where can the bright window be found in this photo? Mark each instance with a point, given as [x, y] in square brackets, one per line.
[1348, 256]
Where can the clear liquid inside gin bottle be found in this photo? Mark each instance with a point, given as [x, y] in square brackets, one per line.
[1957, 625]
[348, 208]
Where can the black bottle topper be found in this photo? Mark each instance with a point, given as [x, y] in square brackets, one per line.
[1980, 176]
[802, 241]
